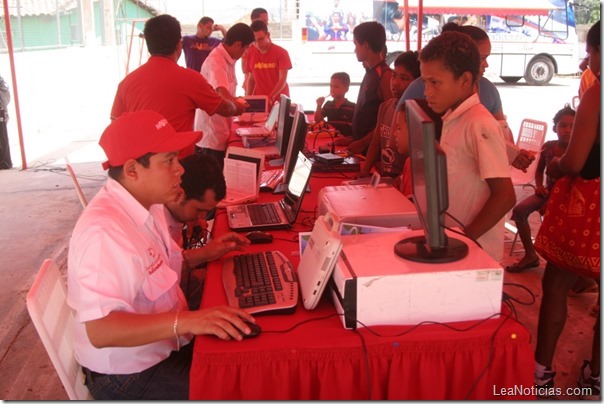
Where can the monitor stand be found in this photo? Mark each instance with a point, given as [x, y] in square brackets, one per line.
[416, 249]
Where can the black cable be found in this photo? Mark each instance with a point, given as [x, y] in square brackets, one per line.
[366, 358]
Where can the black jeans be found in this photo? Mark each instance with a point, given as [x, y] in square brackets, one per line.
[168, 380]
[5, 160]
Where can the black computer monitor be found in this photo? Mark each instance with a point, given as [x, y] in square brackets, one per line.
[430, 193]
[284, 124]
[296, 143]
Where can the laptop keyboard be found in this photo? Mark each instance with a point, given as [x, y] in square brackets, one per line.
[263, 282]
[263, 213]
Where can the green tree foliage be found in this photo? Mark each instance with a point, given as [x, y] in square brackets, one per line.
[587, 11]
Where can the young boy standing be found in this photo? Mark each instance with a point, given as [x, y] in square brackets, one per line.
[339, 111]
[382, 147]
[480, 188]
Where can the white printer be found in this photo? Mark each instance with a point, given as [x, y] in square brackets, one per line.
[374, 286]
[382, 206]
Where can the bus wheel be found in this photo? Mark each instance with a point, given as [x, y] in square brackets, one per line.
[511, 79]
[539, 71]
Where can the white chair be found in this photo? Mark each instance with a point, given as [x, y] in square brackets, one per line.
[53, 319]
[76, 183]
[531, 138]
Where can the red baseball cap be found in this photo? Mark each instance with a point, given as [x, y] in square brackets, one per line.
[135, 134]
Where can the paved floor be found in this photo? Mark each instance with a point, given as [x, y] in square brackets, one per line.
[39, 208]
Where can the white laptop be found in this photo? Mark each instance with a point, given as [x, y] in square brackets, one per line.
[242, 173]
[274, 215]
[318, 260]
[257, 111]
[262, 131]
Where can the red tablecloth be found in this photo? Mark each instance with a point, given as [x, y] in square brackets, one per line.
[309, 355]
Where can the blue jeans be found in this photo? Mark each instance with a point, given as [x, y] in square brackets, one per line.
[168, 380]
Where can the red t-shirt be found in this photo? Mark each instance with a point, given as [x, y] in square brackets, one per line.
[174, 91]
[265, 68]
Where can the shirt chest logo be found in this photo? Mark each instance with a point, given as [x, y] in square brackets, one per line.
[156, 261]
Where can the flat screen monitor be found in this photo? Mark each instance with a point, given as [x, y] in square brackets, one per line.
[284, 124]
[430, 193]
[296, 142]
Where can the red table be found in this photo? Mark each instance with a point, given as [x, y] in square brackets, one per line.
[309, 355]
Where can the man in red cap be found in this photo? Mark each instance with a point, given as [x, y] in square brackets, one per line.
[132, 328]
[162, 85]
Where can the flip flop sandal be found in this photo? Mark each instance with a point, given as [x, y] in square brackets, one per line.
[521, 268]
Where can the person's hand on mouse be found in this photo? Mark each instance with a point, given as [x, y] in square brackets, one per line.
[222, 321]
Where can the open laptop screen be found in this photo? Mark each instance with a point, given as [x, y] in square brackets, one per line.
[298, 182]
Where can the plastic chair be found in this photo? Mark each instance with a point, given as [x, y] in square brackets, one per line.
[531, 137]
[53, 319]
[76, 183]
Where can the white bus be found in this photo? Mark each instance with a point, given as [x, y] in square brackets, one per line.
[531, 39]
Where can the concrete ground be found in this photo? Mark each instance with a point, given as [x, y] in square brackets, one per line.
[40, 207]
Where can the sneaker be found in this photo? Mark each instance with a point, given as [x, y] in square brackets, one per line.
[590, 385]
[544, 385]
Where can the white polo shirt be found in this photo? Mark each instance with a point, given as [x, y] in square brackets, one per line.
[474, 144]
[121, 259]
[219, 71]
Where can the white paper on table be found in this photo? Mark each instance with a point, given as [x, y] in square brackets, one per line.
[240, 177]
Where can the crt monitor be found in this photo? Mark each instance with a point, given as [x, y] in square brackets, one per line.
[296, 143]
[430, 193]
[284, 124]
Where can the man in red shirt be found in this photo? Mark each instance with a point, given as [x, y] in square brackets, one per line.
[266, 65]
[163, 86]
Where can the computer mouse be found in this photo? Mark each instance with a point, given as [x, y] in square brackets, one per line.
[255, 330]
[259, 237]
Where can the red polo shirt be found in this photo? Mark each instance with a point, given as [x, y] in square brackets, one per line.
[175, 92]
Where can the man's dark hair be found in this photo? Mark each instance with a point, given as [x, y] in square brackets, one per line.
[116, 172]
[409, 60]
[162, 34]
[256, 13]
[205, 20]
[343, 77]
[259, 25]
[567, 110]
[239, 32]
[477, 34]
[371, 32]
[457, 51]
[202, 172]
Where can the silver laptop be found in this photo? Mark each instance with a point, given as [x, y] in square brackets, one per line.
[264, 130]
[274, 215]
[257, 111]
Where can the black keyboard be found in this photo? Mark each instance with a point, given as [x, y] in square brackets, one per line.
[263, 282]
[263, 213]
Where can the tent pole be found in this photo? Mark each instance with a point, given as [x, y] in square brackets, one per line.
[11, 55]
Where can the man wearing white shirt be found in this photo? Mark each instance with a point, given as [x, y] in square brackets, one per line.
[131, 317]
[219, 71]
